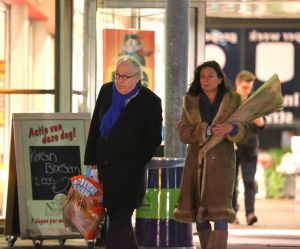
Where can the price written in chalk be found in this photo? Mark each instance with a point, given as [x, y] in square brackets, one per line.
[51, 169]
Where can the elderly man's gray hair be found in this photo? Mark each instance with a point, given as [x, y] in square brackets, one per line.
[136, 64]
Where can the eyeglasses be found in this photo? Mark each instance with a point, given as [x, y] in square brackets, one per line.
[123, 76]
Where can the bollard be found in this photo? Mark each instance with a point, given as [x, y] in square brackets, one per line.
[155, 226]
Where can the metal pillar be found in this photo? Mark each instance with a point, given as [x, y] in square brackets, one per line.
[90, 40]
[63, 56]
[177, 27]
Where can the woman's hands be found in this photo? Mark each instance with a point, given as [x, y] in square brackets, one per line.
[221, 129]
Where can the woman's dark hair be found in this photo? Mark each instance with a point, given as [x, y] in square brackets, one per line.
[195, 87]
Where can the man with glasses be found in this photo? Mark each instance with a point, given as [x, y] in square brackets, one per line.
[124, 133]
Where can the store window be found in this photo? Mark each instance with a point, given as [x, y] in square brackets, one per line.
[26, 70]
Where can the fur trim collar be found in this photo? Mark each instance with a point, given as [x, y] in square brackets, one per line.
[227, 106]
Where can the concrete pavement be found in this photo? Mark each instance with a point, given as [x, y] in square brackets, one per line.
[278, 227]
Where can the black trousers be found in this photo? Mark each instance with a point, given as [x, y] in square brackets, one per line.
[120, 234]
[247, 160]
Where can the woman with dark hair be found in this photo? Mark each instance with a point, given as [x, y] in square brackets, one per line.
[207, 186]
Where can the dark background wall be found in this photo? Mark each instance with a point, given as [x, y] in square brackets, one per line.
[239, 40]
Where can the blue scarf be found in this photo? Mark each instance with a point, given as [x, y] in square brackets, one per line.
[119, 102]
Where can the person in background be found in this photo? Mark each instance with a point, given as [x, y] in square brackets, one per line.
[247, 151]
[124, 133]
[206, 188]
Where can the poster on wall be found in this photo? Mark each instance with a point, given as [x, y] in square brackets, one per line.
[47, 149]
[139, 44]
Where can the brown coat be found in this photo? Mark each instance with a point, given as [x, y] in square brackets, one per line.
[206, 189]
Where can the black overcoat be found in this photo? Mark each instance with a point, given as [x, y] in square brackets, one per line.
[121, 159]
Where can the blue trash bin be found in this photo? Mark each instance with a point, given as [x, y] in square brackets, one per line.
[155, 226]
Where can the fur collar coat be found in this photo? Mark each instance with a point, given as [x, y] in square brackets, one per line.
[206, 189]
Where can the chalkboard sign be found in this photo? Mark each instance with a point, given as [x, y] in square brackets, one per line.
[46, 150]
[51, 169]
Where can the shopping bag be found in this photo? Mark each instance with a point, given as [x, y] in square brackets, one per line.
[83, 209]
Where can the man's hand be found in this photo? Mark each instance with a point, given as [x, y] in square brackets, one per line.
[91, 166]
[259, 122]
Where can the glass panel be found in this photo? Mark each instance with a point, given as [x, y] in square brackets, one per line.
[78, 56]
[3, 169]
[77, 53]
[16, 103]
[153, 19]
[31, 52]
[27, 103]
[4, 150]
[78, 103]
